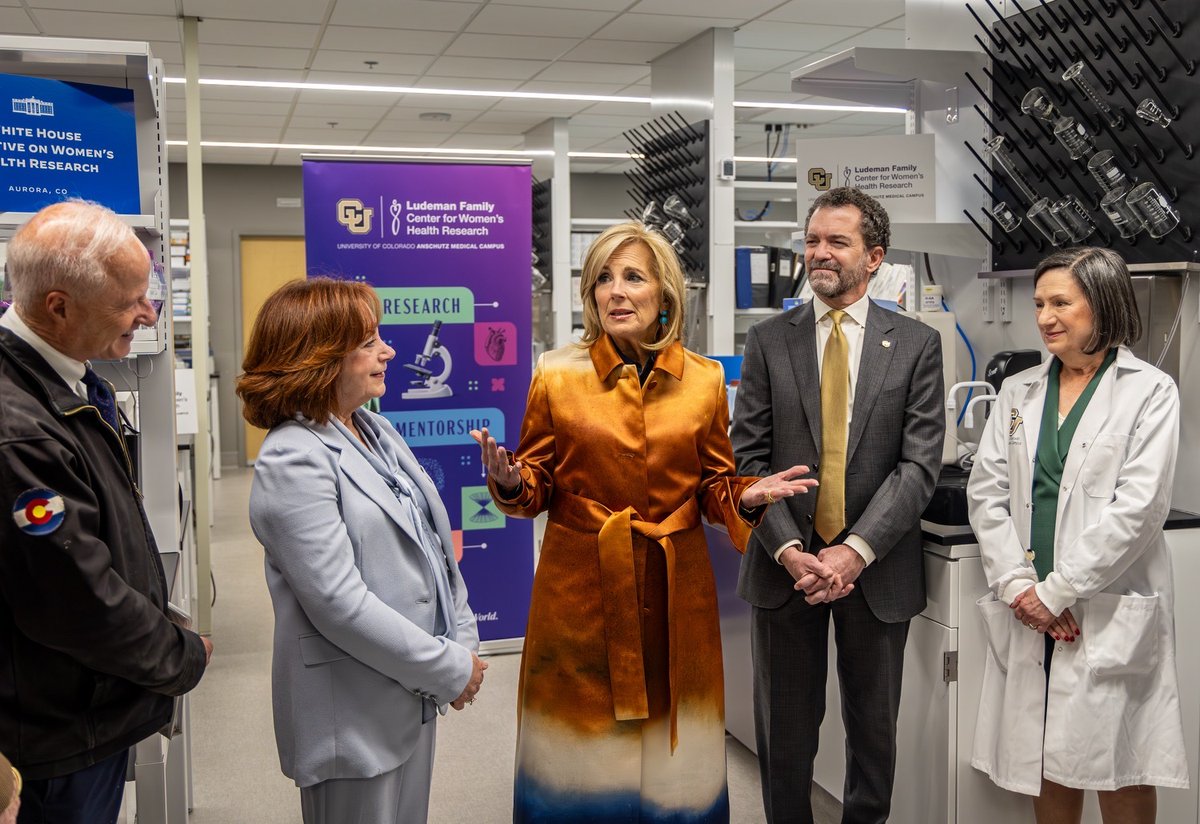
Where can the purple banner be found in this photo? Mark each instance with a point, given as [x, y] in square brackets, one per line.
[446, 247]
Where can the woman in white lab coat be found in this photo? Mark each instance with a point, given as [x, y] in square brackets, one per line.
[1070, 490]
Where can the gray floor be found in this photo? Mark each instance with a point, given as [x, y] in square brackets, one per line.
[235, 768]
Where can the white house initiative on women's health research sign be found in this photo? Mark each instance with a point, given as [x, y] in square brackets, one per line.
[896, 170]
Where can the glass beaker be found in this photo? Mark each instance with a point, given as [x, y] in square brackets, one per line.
[1039, 215]
[1154, 208]
[1006, 218]
[1124, 218]
[1103, 166]
[1038, 103]
[1074, 137]
[1074, 217]
[996, 151]
[1151, 112]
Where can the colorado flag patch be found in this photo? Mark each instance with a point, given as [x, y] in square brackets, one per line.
[39, 511]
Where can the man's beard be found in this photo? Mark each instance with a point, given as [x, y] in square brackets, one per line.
[845, 280]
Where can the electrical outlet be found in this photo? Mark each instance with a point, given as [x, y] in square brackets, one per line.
[986, 304]
[1004, 299]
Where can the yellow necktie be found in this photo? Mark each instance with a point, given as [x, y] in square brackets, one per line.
[835, 406]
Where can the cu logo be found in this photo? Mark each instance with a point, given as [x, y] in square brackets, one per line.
[356, 217]
[819, 179]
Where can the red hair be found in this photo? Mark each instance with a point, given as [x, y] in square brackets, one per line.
[294, 358]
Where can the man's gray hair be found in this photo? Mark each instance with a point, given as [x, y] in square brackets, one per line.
[68, 247]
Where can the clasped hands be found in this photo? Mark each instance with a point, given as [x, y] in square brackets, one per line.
[826, 576]
[1030, 611]
[478, 665]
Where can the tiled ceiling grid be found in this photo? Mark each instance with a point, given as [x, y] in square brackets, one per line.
[573, 46]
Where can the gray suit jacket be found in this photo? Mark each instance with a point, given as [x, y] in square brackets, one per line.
[354, 659]
[893, 456]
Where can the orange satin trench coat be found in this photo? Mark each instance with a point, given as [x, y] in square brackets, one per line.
[623, 639]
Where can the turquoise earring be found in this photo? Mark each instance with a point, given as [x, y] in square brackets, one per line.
[662, 316]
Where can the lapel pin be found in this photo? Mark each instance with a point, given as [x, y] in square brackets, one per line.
[887, 344]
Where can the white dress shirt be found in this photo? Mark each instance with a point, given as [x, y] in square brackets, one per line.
[854, 328]
[70, 370]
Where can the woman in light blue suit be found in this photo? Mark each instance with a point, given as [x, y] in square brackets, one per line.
[373, 633]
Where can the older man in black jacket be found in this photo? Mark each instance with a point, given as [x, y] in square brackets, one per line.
[91, 660]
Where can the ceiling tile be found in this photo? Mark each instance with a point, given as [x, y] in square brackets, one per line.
[404, 139]
[769, 81]
[297, 11]
[567, 72]
[414, 124]
[873, 38]
[661, 28]
[340, 137]
[617, 51]
[385, 41]
[410, 14]
[243, 134]
[485, 141]
[594, 5]
[60, 23]
[232, 98]
[432, 80]
[362, 124]
[497, 18]
[540, 85]
[509, 45]
[502, 128]
[481, 67]
[219, 109]
[750, 9]
[243, 73]
[615, 112]
[122, 6]
[247, 117]
[339, 111]
[168, 51]
[549, 108]
[249, 33]
[863, 12]
[353, 61]
[799, 37]
[16, 21]
[363, 78]
[253, 56]
[762, 60]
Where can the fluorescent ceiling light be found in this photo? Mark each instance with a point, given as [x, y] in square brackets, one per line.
[307, 85]
[819, 107]
[765, 159]
[613, 155]
[326, 147]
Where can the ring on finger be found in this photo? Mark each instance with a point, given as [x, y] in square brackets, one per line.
[770, 497]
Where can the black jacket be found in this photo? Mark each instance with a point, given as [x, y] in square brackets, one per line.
[88, 659]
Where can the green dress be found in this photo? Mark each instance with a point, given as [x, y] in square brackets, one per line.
[1053, 443]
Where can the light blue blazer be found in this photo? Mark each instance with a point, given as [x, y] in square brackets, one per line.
[355, 659]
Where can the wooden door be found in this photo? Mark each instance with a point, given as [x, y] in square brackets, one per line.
[267, 264]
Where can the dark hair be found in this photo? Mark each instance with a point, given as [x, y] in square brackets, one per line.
[874, 225]
[1104, 280]
[294, 358]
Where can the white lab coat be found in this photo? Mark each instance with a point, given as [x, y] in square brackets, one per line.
[1112, 715]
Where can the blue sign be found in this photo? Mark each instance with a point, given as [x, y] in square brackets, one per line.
[61, 140]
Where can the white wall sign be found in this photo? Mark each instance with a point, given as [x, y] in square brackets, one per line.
[187, 421]
[896, 170]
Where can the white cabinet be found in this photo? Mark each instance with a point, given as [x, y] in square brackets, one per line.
[943, 671]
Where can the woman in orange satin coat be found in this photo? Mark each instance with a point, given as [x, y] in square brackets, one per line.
[625, 444]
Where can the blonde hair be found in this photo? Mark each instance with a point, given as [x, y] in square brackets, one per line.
[666, 270]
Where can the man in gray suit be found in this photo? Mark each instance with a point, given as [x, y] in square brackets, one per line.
[855, 392]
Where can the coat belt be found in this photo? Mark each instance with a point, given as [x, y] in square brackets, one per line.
[618, 594]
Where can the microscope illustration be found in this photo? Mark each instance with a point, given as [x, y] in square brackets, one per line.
[427, 384]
